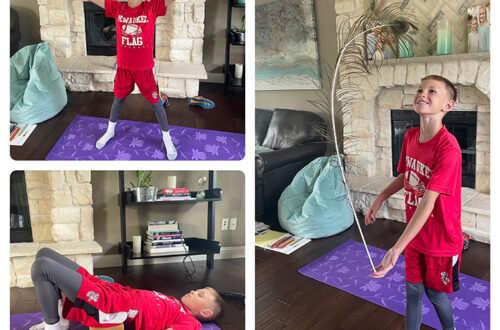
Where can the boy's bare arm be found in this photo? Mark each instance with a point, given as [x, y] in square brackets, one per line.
[100, 3]
[169, 2]
[418, 220]
[391, 189]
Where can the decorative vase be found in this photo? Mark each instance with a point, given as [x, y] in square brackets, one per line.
[443, 43]
[143, 194]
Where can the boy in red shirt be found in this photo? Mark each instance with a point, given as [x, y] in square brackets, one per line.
[96, 303]
[135, 24]
[430, 167]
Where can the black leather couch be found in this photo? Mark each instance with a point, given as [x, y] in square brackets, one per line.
[292, 135]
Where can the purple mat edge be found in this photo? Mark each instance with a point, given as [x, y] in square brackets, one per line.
[52, 157]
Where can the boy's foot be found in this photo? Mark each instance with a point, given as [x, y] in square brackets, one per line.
[201, 102]
[110, 133]
[44, 326]
[169, 145]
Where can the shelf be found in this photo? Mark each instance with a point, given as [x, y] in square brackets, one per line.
[213, 195]
[197, 246]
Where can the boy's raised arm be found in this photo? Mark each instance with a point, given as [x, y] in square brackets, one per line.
[168, 2]
[100, 3]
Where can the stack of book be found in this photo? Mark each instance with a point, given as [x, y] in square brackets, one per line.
[164, 237]
[174, 194]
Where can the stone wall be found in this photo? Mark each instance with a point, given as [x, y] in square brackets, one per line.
[60, 205]
[61, 213]
[179, 34]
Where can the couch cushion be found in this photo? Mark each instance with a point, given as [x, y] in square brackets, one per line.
[292, 127]
[262, 119]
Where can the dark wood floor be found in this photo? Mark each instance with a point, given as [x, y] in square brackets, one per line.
[228, 275]
[227, 116]
[287, 299]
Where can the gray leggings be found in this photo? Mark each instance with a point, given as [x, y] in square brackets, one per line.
[157, 107]
[52, 273]
[442, 305]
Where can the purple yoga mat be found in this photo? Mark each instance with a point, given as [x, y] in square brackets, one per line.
[347, 268]
[143, 141]
[25, 321]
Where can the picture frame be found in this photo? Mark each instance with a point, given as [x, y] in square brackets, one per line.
[478, 28]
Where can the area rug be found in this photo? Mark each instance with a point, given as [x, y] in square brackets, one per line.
[25, 321]
[143, 141]
[347, 268]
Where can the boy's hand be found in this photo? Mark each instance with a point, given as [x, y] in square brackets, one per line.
[389, 261]
[371, 214]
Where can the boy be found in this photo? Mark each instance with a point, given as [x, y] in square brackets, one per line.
[430, 167]
[135, 23]
[97, 303]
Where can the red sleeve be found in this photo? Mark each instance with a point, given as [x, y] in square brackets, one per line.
[110, 8]
[446, 171]
[158, 7]
[402, 156]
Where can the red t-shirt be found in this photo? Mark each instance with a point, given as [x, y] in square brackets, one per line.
[434, 165]
[102, 303]
[135, 29]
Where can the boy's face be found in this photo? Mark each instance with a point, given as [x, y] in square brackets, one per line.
[432, 98]
[200, 302]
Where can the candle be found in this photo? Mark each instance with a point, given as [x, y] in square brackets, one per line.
[172, 182]
[136, 244]
[443, 43]
[238, 70]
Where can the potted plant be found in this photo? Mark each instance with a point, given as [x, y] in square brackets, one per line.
[142, 191]
[238, 34]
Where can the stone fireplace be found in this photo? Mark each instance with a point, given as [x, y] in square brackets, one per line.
[178, 47]
[60, 208]
[392, 87]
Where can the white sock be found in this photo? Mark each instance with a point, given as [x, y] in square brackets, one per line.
[63, 324]
[44, 326]
[56, 326]
[169, 145]
[110, 133]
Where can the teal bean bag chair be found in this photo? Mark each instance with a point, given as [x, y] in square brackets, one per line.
[315, 204]
[37, 90]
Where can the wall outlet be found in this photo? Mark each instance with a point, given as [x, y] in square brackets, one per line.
[224, 224]
[232, 223]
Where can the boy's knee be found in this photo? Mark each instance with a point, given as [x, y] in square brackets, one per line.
[414, 289]
[43, 252]
[39, 266]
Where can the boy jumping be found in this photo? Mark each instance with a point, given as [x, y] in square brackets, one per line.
[430, 167]
[96, 303]
[135, 24]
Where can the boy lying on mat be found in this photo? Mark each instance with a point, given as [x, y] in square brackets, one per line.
[135, 22]
[97, 303]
